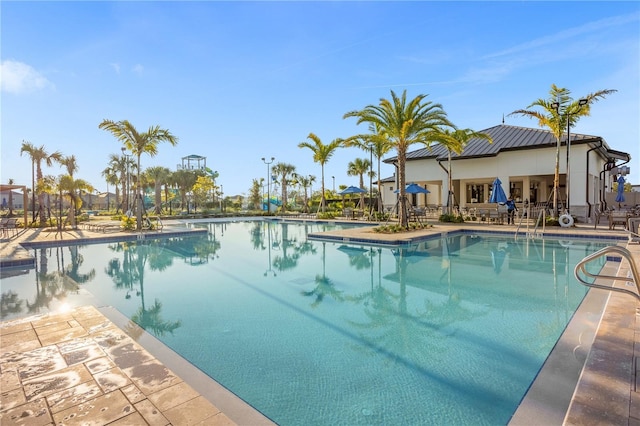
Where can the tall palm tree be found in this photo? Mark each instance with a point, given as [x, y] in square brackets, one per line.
[157, 175]
[558, 117]
[403, 124]
[455, 140]
[138, 143]
[321, 154]
[282, 171]
[375, 143]
[39, 155]
[359, 167]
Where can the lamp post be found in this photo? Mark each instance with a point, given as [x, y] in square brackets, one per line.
[556, 106]
[268, 163]
[334, 183]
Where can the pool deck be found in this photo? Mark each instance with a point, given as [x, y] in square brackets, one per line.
[90, 365]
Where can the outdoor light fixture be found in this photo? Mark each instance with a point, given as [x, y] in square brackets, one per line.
[556, 106]
[268, 163]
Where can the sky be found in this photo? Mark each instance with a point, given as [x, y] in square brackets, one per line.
[238, 81]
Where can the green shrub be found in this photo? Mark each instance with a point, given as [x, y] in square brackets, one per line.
[326, 215]
[128, 223]
[445, 217]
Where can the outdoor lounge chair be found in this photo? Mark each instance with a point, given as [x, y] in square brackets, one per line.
[634, 233]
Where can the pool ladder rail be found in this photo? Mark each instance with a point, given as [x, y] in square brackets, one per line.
[635, 276]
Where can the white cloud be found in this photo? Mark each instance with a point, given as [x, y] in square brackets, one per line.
[17, 77]
[138, 69]
[116, 67]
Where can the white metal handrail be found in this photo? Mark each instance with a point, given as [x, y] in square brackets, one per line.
[580, 268]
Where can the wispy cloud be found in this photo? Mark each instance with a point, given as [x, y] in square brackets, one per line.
[570, 33]
[17, 77]
[116, 67]
[138, 69]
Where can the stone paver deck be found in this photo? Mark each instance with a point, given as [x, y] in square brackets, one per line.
[79, 367]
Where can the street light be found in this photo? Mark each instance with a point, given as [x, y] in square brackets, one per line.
[268, 163]
[334, 183]
[556, 106]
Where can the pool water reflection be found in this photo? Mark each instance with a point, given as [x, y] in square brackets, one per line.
[449, 330]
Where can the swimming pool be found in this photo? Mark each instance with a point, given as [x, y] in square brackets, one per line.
[445, 331]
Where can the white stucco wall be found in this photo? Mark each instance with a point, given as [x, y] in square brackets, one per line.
[527, 167]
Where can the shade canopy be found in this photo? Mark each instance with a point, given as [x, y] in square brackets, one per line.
[352, 190]
[620, 194]
[497, 193]
[413, 188]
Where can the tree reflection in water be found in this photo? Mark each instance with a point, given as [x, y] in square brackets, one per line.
[131, 272]
[58, 284]
[324, 286]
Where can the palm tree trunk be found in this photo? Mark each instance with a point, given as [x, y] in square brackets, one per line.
[402, 214]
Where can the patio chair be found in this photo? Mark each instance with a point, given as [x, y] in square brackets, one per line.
[598, 213]
[9, 224]
[617, 217]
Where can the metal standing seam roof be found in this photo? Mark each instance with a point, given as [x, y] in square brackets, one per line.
[505, 138]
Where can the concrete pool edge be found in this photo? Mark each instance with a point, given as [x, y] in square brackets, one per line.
[549, 397]
[229, 403]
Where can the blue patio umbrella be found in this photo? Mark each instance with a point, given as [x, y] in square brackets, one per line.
[352, 190]
[413, 188]
[497, 193]
[620, 195]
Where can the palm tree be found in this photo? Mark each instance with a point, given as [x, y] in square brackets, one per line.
[403, 124]
[455, 140]
[110, 176]
[321, 154]
[376, 143]
[305, 182]
[38, 155]
[69, 187]
[557, 113]
[70, 163]
[138, 143]
[359, 167]
[184, 180]
[157, 175]
[282, 171]
[118, 167]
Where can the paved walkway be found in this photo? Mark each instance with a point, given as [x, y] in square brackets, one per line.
[88, 366]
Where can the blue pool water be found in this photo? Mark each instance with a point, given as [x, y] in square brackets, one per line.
[446, 331]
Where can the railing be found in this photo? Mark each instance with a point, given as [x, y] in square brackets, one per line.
[580, 268]
[541, 219]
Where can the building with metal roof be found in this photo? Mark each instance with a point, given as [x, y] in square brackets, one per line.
[524, 159]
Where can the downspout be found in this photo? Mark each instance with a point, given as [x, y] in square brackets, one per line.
[587, 179]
